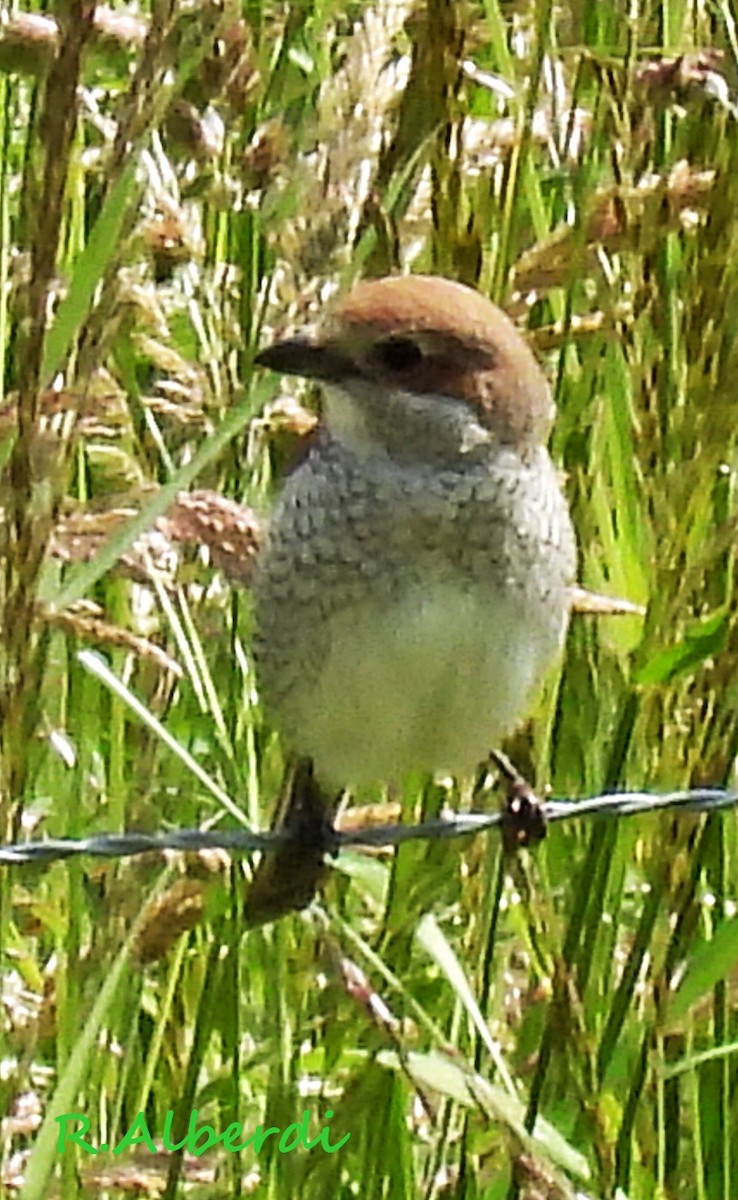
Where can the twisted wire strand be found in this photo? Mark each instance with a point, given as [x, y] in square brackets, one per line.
[247, 841]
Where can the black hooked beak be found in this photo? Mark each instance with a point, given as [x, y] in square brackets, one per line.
[302, 355]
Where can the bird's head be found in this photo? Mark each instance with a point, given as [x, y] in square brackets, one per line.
[421, 370]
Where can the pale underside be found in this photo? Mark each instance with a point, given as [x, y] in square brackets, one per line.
[429, 684]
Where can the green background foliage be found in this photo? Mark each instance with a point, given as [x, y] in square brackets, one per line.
[176, 184]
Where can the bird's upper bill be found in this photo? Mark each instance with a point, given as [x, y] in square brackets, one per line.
[423, 335]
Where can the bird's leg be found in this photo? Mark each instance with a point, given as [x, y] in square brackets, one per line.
[524, 819]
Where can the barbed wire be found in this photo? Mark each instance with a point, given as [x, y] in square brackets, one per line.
[454, 825]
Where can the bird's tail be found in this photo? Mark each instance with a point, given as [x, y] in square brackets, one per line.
[288, 878]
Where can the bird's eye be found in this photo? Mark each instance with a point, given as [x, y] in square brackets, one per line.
[399, 354]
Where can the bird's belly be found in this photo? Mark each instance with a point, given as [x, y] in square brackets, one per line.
[424, 683]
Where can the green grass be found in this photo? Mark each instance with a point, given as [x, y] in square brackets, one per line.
[558, 1023]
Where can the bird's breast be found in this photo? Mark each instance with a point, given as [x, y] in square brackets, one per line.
[403, 626]
[426, 680]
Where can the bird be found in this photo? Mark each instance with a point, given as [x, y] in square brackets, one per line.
[414, 584]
